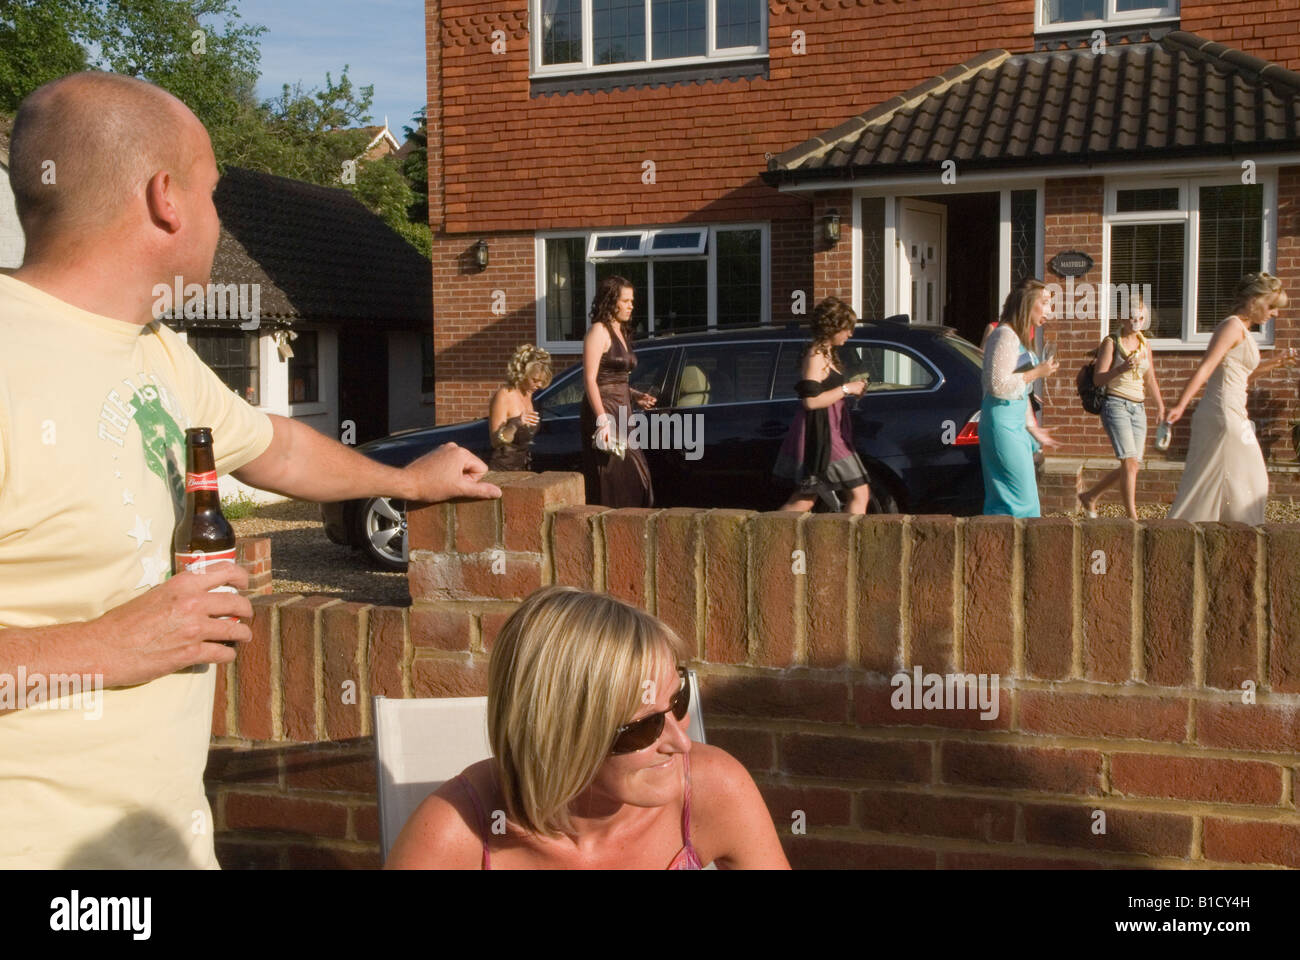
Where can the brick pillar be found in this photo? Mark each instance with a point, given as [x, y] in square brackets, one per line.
[472, 561]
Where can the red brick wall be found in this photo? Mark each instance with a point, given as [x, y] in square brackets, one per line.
[1267, 29]
[1121, 651]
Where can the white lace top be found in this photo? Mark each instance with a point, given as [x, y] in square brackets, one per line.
[1001, 357]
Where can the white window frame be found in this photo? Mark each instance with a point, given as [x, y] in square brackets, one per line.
[1188, 213]
[712, 54]
[1157, 12]
[710, 255]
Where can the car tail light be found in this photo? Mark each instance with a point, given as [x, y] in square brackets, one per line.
[970, 433]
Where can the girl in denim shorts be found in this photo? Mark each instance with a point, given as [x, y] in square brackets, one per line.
[1125, 370]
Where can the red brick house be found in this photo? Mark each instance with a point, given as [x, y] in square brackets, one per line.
[734, 157]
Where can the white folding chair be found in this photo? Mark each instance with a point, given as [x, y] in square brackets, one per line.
[421, 744]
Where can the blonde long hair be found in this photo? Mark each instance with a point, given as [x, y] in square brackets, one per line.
[567, 670]
[1018, 306]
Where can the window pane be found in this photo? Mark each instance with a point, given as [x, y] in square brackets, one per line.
[613, 244]
[1024, 235]
[303, 369]
[890, 369]
[678, 28]
[232, 355]
[1152, 253]
[561, 31]
[566, 288]
[1231, 247]
[426, 362]
[873, 258]
[740, 277]
[617, 31]
[635, 273]
[681, 295]
[689, 240]
[1136, 201]
[1069, 11]
[730, 373]
[739, 23]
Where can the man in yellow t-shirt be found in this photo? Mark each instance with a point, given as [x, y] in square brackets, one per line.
[113, 181]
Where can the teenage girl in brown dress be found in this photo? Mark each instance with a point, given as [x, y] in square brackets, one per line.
[616, 475]
[512, 421]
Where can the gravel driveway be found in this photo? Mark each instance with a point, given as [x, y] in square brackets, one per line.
[303, 560]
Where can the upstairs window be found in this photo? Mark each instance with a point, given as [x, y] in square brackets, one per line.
[572, 36]
[1088, 14]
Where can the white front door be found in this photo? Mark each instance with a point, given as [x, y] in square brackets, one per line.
[921, 234]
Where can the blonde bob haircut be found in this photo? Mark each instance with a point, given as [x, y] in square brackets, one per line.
[567, 670]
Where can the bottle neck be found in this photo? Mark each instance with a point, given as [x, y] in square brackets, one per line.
[201, 478]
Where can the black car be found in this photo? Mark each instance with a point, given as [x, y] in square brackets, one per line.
[916, 428]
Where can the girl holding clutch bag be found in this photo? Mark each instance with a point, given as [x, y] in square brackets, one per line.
[818, 455]
[616, 475]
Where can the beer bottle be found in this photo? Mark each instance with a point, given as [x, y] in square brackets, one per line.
[204, 537]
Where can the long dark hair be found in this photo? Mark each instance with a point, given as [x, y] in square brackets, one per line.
[605, 302]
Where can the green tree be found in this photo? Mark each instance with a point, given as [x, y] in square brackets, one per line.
[37, 44]
[203, 53]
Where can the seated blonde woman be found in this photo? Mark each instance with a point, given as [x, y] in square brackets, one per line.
[592, 768]
[512, 421]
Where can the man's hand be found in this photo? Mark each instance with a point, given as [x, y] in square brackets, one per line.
[446, 473]
[172, 626]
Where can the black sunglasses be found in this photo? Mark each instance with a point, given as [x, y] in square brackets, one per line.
[642, 733]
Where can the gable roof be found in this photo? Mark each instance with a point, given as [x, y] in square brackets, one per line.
[1182, 96]
[318, 254]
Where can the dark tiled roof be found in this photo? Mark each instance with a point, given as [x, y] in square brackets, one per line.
[1182, 96]
[318, 254]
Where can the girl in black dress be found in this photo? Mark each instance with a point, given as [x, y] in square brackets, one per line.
[818, 455]
[512, 421]
[616, 475]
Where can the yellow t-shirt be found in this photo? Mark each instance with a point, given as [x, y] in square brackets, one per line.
[93, 413]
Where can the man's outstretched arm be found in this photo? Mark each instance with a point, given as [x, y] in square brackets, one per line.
[307, 465]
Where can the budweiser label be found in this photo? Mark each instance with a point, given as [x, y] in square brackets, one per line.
[199, 562]
[201, 481]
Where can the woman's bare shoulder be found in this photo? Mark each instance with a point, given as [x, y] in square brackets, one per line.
[443, 832]
[717, 778]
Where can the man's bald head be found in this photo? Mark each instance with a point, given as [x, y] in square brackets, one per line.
[107, 135]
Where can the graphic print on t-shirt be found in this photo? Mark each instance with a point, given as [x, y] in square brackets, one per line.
[151, 407]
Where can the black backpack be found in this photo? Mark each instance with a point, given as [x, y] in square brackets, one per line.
[1092, 396]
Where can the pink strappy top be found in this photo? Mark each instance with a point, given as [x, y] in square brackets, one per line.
[686, 859]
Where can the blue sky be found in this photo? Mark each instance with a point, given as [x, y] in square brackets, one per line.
[382, 41]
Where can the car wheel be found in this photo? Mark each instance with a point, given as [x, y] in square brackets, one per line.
[381, 532]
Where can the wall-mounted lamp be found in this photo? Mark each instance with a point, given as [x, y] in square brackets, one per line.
[481, 254]
[831, 226]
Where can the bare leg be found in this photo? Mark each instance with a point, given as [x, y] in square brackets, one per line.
[1128, 485]
[796, 502]
[1088, 498]
[859, 497]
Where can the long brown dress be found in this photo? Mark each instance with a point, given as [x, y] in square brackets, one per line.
[614, 481]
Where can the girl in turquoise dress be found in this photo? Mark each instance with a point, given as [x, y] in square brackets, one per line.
[1008, 430]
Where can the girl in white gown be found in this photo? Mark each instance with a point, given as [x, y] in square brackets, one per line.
[1224, 477]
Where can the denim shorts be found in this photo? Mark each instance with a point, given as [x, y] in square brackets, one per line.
[1126, 423]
